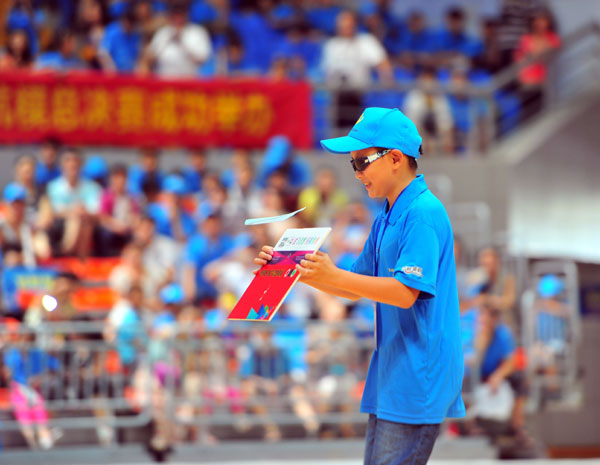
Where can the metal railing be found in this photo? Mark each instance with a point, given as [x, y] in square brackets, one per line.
[551, 333]
[277, 374]
[573, 70]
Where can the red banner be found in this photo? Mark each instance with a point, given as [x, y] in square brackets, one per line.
[83, 108]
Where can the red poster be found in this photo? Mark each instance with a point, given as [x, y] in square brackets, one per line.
[274, 280]
[92, 108]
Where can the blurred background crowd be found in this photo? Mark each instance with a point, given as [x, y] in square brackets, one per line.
[118, 274]
[155, 258]
[405, 50]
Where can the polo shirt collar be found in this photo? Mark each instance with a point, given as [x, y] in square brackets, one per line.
[410, 193]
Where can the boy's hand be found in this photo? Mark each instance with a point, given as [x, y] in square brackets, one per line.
[264, 257]
[316, 267]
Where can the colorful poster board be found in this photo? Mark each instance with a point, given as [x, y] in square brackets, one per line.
[274, 280]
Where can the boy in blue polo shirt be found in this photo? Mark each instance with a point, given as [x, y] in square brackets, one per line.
[407, 268]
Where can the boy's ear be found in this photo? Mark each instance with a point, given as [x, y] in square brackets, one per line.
[397, 156]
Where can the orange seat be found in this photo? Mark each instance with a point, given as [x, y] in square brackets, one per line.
[188, 203]
[86, 299]
[25, 298]
[521, 359]
[90, 299]
[5, 399]
[132, 398]
[112, 363]
[91, 269]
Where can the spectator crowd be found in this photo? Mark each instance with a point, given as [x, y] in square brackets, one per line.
[179, 254]
[345, 46]
[180, 258]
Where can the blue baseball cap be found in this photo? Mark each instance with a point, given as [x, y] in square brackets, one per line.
[174, 184]
[277, 153]
[14, 192]
[95, 167]
[172, 294]
[550, 286]
[388, 128]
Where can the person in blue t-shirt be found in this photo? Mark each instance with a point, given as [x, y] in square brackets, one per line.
[256, 36]
[169, 215]
[407, 268]
[495, 346]
[279, 156]
[64, 56]
[195, 169]
[453, 40]
[323, 16]
[121, 45]
[495, 355]
[147, 171]
[303, 54]
[208, 245]
[47, 168]
[416, 45]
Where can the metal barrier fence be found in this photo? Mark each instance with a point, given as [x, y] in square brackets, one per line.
[303, 374]
[69, 372]
[183, 377]
[552, 332]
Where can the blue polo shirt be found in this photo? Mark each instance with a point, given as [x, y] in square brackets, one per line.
[416, 371]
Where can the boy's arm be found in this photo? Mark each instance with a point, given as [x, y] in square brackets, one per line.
[379, 289]
[320, 272]
[330, 289]
[320, 269]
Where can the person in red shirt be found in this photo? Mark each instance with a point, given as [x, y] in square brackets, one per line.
[118, 212]
[541, 38]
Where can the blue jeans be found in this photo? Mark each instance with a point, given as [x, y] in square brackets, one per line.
[390, 443]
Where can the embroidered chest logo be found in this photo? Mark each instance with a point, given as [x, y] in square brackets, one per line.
[414, 270]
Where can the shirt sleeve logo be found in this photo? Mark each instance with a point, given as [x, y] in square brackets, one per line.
[414, 270]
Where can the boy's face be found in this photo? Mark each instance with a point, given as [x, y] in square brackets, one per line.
[378, 176]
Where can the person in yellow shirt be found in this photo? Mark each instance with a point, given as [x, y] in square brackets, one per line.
[323, 200]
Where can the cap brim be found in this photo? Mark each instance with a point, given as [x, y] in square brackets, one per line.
[345, 144]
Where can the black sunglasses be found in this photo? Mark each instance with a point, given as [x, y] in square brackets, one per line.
[360, 164]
